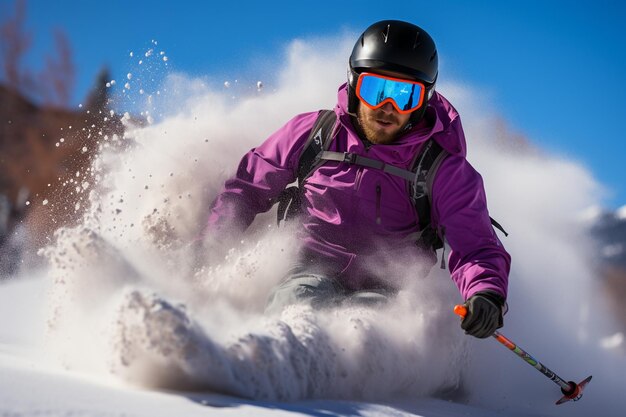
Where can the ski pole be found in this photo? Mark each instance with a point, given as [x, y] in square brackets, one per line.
[571, 390]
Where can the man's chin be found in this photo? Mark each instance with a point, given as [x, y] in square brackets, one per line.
[385, 134]
[380, 133]
[383, 138]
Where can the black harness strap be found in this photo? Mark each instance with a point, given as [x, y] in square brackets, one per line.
[355, 159]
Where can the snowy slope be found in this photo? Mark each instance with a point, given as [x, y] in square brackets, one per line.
[44, 394]
[29, 393]
[127, 318]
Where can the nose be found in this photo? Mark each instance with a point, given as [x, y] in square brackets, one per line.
[388, 107]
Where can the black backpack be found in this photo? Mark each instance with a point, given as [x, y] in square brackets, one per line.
[420, 178]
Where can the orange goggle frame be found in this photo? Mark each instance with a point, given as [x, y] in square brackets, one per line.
[374, 90]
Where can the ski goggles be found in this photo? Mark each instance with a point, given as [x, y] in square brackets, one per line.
[374, 90]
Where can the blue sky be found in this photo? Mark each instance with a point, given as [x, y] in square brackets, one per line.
[555, 69]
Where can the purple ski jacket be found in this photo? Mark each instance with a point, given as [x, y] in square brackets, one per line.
[358, 221]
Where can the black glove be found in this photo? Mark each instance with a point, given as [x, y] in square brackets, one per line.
[484, 314]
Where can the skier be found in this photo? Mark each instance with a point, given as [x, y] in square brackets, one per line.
[358, 206]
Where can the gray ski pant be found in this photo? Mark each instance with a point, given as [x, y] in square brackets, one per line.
[320, 291]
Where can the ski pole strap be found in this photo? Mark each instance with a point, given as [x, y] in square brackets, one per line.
[354, 159]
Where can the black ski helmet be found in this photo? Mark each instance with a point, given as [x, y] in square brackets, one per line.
[397, 46]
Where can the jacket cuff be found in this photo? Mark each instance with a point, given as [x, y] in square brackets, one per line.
[492, 296]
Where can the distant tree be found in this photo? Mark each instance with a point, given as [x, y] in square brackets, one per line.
[54, 84]
[98, 98]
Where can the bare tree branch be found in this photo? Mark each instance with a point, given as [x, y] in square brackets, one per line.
[14, 42]
[55, 83]
[57, 79]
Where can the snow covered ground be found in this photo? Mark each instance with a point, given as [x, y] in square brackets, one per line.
[121, 322]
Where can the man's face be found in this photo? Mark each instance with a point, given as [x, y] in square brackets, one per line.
[383, 125]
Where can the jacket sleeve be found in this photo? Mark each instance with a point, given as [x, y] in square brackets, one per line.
[262, 174]
[478, 261]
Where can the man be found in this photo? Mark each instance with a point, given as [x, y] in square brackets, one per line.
[356, 220]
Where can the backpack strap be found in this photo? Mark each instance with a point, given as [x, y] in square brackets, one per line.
[319, 139]
[498, 226]
[425, 168]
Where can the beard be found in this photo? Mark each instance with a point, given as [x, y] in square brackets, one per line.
[380, 127]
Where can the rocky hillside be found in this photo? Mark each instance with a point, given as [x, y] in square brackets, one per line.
[609, 230]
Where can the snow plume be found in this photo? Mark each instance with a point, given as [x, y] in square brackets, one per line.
[132, 297]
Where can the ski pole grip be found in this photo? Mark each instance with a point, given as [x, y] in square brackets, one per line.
[460, 310]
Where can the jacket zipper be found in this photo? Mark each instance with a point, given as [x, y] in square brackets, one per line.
[378, 195]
